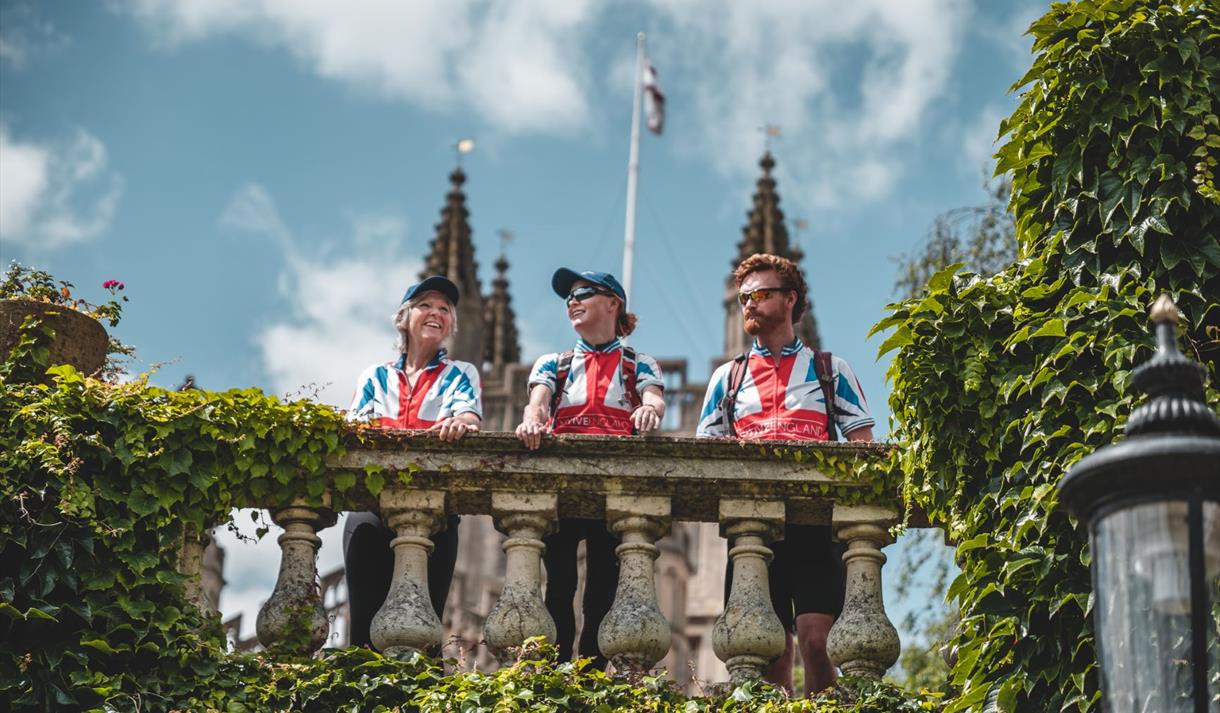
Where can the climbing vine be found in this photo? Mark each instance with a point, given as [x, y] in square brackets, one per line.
[1001, 383]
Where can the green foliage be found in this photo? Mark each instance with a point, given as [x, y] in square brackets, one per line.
[362, 680]
[99, 484]
[20, 282]
[859, 476]
[1002, 383]
[26, 283]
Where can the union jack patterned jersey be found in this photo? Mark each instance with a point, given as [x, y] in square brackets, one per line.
[783, 402]
[594, 395]
[443, 389]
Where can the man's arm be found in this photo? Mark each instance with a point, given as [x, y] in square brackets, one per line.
[864, 433]
[712, 422]
[535, 417]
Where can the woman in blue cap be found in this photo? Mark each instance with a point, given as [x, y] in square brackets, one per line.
[422, 390]
[599, 387]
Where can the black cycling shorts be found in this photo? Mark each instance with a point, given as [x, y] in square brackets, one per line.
[807, 575]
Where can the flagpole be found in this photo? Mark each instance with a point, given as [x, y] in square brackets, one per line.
[633, 168]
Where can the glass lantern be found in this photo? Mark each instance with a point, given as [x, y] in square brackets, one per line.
[1152, 504]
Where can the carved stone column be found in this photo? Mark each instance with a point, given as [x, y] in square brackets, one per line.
[520, 612]
[190, 563]
[294, 618]
[863, 642]
[406, 622]
[635, 634]
[748, 636]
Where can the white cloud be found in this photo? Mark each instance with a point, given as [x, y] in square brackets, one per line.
[340, 307]
[848, 84]
[252, 210]
[55, 194]
[518, 65]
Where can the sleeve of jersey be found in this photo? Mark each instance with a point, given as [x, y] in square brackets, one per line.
[647, 373]
[851, 410]
[466, 393]
[367, 396]
[545, 371]
[712, 423]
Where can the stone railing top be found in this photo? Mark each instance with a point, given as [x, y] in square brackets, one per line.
[812, 478]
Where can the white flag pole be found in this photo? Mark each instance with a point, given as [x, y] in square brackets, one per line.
[633, 168]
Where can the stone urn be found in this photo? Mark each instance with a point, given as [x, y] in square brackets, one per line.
[80, 340]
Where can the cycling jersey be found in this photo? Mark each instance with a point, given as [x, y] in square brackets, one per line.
[443, 389]
[594, 396]
[783, 401]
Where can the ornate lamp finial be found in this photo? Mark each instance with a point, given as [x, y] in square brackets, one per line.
[1173, 383]
[1164, 310]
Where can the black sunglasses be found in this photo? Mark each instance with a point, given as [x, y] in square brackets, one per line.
[580, 294]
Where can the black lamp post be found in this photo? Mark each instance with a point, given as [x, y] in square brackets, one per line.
[1152, 503]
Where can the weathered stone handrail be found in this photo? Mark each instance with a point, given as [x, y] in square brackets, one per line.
[638, 486]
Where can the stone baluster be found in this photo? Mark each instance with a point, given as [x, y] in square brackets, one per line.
[293, 618]
[863, 641]
[748, 636]
[635, 634]
[190, 564]
[520, 612]
[406, 621]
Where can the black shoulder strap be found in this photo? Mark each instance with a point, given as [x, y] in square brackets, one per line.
[737, 375]
[826, 377]
[561, 378]
[631, 379]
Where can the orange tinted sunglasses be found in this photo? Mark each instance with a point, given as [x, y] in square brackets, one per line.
[762, 294]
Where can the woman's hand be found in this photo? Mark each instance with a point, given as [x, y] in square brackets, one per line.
[452, 429]
[645, 419]
[536, 417]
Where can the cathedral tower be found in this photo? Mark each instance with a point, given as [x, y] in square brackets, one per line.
[500, 323]
[764, 232]
[451, 253]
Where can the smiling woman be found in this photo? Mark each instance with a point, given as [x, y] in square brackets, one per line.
[424, 390]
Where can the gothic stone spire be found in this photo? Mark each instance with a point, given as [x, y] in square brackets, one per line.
[452, 255]
[764, 232]
[500, 322]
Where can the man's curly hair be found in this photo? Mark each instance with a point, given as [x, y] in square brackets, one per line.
[789, 274]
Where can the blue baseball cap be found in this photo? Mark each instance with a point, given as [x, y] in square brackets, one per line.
[564, 278]
[440, 284]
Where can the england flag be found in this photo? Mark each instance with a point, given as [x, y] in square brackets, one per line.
[654, 100]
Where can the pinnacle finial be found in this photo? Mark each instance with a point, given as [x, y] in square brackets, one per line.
[1164, 310]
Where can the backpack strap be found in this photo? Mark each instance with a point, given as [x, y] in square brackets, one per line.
[737, 375]
[822, 366]
[561, 379]
[631, 379]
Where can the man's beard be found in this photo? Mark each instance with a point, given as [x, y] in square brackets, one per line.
[758, 323]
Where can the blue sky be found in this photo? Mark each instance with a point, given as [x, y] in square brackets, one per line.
[265, 176]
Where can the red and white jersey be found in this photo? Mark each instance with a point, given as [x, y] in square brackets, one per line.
[445, 388]
[783, 402]
[594, 396]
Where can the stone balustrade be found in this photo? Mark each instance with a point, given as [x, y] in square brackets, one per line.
[639, 486]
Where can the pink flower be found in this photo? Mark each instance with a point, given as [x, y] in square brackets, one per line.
[112, 285]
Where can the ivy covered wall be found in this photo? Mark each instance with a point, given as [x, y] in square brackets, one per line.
[1001, 383]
